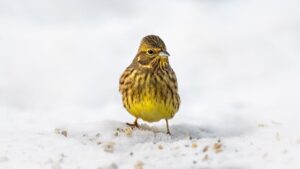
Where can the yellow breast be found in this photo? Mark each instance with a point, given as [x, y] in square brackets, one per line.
[150, 109]
[151, 97]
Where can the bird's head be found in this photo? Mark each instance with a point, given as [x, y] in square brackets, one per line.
[152, 52]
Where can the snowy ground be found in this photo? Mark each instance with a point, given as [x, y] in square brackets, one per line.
[111, 144]
[237, 64]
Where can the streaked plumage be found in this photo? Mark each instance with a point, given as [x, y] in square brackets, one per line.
[149, 85]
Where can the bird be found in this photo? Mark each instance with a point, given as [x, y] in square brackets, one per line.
[148, 85]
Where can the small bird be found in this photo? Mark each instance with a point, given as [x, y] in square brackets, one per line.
[149, 85]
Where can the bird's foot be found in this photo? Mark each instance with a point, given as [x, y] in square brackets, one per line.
[133, 125]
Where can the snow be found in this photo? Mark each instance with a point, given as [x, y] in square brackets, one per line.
[105, 143]
[237, 64]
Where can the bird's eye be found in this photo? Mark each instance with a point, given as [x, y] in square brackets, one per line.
[150, 52]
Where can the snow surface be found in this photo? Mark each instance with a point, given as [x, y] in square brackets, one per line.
[237, 64]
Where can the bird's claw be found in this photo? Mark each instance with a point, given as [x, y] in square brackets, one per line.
[133, 125]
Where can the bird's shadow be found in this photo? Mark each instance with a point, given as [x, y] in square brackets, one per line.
[114, 130]
[191, 131]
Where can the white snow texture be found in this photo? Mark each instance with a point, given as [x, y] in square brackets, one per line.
[237, 64]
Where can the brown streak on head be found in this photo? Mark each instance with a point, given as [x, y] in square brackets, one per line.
[145, 61]
[152, 42]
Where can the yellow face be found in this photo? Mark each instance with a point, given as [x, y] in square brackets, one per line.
[152, 51]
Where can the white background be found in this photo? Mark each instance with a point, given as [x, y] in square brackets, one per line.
[237, 64]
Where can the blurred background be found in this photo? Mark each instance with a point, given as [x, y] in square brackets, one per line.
[236, 60]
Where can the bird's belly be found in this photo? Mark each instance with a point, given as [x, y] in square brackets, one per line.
[151, 109]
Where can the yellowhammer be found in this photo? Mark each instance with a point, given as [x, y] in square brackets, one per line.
[149, 85]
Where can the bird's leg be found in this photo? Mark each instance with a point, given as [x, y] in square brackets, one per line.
[168, 130]
[134, 124]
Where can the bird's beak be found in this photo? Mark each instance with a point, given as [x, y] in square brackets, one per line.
[164, 54]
